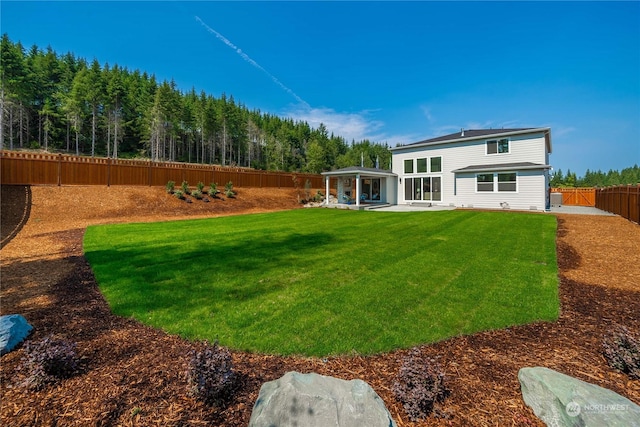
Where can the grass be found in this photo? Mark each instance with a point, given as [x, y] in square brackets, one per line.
[327, 282]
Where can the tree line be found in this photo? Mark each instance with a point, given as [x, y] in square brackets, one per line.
[64, 103]
[597, 178]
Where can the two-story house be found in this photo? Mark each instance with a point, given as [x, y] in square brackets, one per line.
[488, 168]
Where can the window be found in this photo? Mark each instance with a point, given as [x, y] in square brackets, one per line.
[498, 146]
[484, 182]
[421, 165]
[436, 164]
[507, 181]
[408, 166]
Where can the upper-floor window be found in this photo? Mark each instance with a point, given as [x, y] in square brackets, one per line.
[498, 146]
[421, 165]
[436, 164]
[408, 166]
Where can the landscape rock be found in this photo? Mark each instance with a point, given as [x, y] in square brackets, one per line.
[561, 400]
[14, 328]
[313, 400]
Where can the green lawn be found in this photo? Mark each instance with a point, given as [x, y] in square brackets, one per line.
[327, 281]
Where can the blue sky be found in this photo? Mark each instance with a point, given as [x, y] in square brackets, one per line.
[394, 72]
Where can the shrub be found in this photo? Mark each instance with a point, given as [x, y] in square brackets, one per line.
[171, 186]
[213, 189]
[197, 194]
[48, 360]
[200, 186]
[185, 187]
[318, 197]
[228, 189]
[622, 351]
[210, 375]
[419, 385]
[179, 194]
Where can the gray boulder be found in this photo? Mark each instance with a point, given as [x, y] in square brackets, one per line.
[14, 328]
[312, 400]
[561, 400]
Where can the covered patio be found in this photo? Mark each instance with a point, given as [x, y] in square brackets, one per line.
[360, 186]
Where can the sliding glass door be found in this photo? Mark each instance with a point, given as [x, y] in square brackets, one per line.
[428, 188]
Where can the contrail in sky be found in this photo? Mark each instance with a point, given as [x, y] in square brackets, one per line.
[251, 61]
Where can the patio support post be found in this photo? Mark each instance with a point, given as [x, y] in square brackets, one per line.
[357, 189]
[326, 193]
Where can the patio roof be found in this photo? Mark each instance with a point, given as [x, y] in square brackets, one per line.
[357, 170]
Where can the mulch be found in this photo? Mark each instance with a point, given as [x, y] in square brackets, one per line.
[134, 375]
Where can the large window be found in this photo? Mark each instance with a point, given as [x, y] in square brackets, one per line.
[408, 166]
[506, 182]
[498, 146]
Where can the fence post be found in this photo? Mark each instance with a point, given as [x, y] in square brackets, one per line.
[59, 169]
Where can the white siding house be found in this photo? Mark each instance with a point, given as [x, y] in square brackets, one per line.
[489, 168]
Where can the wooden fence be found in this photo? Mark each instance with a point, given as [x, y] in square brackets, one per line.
[584, 196]
[623, 200]
[58, 169]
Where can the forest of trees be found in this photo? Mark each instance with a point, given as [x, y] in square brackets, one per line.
[597, 179]
[63, 103]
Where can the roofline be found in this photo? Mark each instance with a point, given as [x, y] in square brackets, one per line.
[546, 130]
[506, 167]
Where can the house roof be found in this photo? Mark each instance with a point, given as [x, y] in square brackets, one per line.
[353, 170]
[472, 134]
[502, 167]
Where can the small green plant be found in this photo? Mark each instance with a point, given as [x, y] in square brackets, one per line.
[135, 411]
[179, 194]
[213, 189]
[197, 194]
[419, 385]
[171, 186]
[210, 375]
[622, 351]
[185, 187]
[318, 197]
[200, 186]
[228, 190]
[48, 360]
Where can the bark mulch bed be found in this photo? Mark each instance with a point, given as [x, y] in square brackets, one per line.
[133, 375]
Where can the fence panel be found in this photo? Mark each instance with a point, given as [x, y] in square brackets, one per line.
[57, 169]
[83, 171]
[622, 200]
[30, 168]
[585, 196]
[128, 172]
